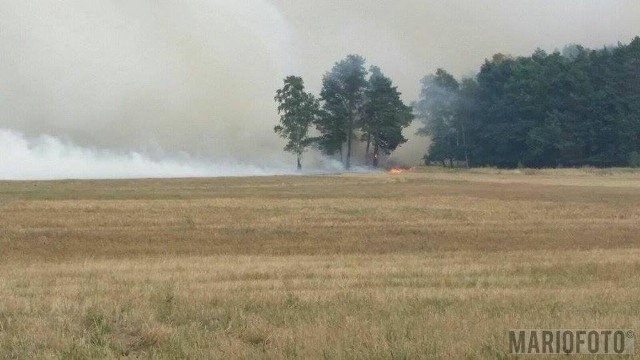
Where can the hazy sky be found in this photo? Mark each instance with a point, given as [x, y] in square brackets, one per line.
[198, 76]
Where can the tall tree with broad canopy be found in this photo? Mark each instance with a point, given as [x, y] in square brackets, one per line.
[385, 115]
[298, 110]
[437, 109]
[343, 93]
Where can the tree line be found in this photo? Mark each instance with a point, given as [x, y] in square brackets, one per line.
[578, 107]
[356, 105]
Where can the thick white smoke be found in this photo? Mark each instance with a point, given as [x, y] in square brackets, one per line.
[121, 85]
[47, 157]
[143, 77]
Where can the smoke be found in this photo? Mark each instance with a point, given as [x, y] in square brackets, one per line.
[47, 158]
[158, 77]
[159, 83]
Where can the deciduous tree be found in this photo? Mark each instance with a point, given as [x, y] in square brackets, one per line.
[298, 110]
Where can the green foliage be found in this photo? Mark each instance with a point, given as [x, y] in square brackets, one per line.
[442, 109]
[634, 159]
[343, 93]
[546, 110]
[298, 110]
[385, 115]
[352, 104]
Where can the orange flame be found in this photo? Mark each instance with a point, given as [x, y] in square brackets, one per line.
[398, 170]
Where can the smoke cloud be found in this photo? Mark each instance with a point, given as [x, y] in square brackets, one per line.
[128, 88]
[47, 158]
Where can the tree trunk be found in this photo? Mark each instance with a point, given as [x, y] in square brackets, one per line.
[299, 162]
[375, 155]
[464, 143]
[349, 135]
[347, 163]
[366, 156]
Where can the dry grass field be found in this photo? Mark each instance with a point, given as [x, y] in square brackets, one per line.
[427, 264]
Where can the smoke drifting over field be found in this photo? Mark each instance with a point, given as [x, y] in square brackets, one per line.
[163, 79]
[47, 157]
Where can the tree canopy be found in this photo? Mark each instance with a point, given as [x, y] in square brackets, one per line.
[355, 105]
[575, 108]
[384, 116]
[298, 110]
[343, 95]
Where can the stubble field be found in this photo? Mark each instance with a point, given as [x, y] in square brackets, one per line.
[426, 264]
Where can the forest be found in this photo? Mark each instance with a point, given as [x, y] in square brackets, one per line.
[570, 108]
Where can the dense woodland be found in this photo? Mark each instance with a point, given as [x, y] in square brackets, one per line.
[578, 107]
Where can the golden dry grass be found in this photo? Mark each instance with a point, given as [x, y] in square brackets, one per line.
[429, 264]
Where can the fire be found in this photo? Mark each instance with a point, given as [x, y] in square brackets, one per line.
[399, 170]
